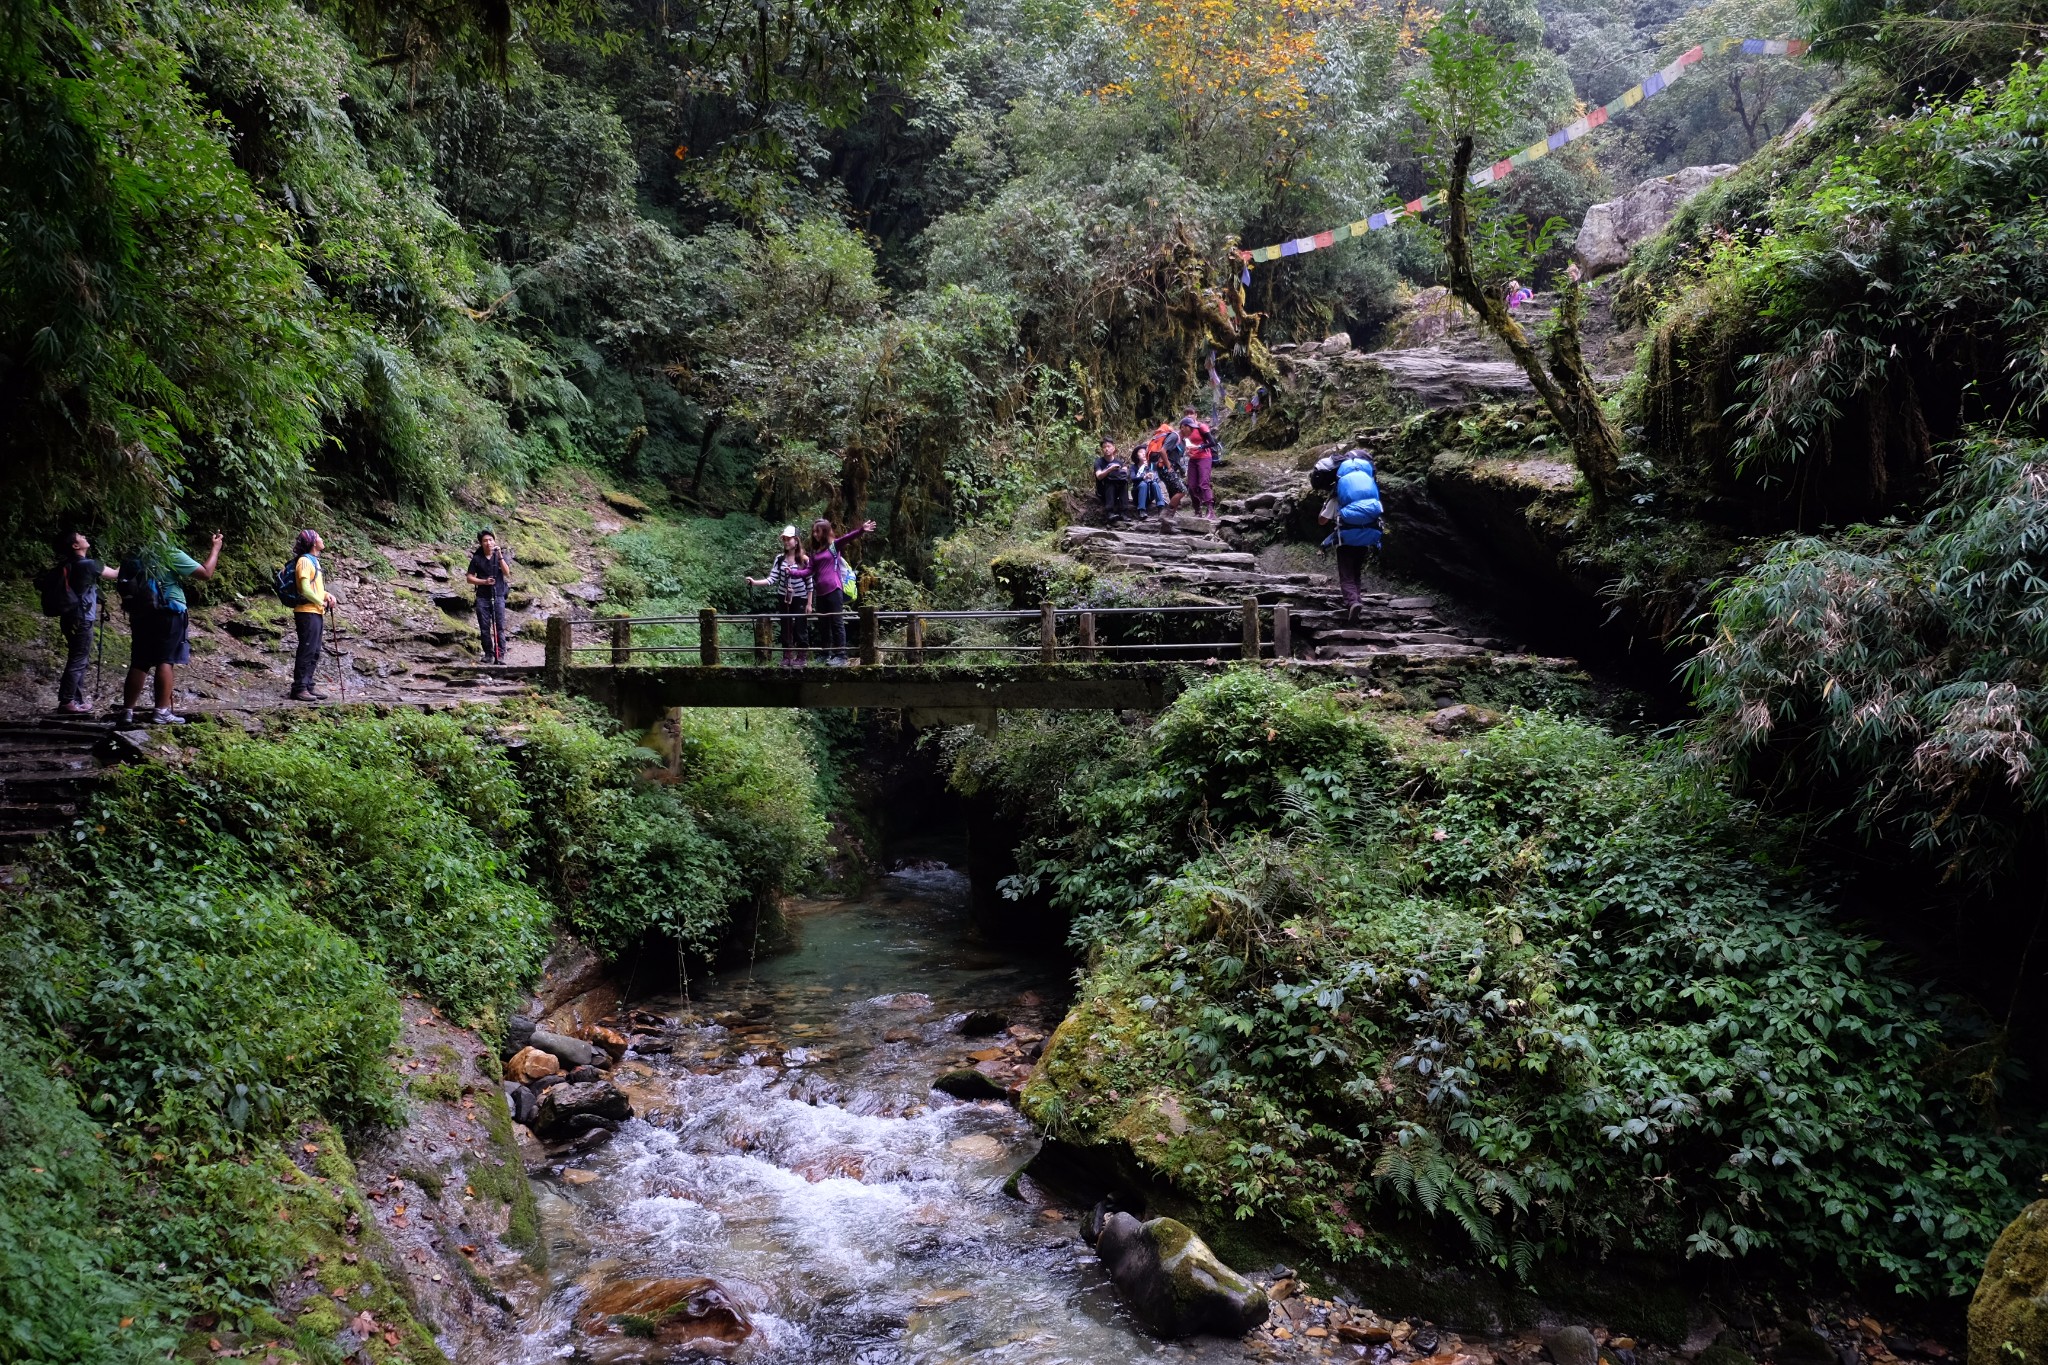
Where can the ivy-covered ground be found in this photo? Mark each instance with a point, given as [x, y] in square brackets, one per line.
[1527, 997]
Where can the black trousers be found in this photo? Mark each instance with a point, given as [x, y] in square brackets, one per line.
[490, 626]
[1351, 561]
[77, 655]
[306, 663]
[831, 630]
[796, 632]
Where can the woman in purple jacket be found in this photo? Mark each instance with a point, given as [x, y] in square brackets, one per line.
[829, 575]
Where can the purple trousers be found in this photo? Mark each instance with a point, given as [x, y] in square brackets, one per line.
[1201, 489]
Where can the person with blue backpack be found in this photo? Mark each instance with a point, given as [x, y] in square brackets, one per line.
[1354, 513]
[151, 582]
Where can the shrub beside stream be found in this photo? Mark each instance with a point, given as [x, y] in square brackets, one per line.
[207, 967]
[1537, 994]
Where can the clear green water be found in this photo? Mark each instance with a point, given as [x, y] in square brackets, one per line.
[792, 1149]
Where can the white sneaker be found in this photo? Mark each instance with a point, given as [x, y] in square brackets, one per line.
[163, 717]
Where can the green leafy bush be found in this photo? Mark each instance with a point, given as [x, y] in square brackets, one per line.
[1543, 989]
[625, 858]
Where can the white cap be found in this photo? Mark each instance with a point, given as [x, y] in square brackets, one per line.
[789, 531]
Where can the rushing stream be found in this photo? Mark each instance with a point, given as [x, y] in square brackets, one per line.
[792, 1150]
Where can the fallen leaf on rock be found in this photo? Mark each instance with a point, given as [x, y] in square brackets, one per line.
[363, 1324]
[312, 1148]
[391, 1338]
[468, 1250]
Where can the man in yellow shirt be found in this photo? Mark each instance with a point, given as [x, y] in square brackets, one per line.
[309, 613]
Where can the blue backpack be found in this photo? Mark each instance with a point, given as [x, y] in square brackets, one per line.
[1358, 504]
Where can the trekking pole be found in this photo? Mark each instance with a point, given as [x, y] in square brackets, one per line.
[340, 673]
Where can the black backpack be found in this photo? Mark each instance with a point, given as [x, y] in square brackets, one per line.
[53, 585]
[138, 586]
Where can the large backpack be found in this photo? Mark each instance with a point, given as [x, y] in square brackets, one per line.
[138, 585]
[53, 585]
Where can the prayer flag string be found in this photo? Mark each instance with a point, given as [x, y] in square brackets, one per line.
[1649, 87]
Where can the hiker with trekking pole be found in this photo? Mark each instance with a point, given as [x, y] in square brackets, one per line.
[303, 587]
[70, 591]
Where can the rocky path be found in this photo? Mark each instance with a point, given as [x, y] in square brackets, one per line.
[1187, 557]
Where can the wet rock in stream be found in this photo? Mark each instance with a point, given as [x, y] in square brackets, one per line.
[569, 1109]
[648, 1319]
[966, 1083]
[1173, 1282]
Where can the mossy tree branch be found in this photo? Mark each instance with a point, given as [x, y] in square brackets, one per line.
[1564, 384]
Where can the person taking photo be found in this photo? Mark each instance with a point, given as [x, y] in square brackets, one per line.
[152, 584]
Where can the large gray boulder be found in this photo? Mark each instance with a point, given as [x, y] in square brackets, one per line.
[571, 1052]
[565, 1110]
[1173, 1282]
[1613, 229]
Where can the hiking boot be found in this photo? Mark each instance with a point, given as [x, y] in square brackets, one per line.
[75, 708]
[1353, 611]
[125, 716]
[165, 716]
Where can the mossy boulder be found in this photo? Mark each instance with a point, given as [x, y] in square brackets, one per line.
[1173, 1282]
[2009, 1313]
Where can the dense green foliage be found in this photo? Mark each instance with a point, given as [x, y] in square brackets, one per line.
[261, 255]
[1545, 988]
[213, 956]
[1897, 674]
[1880, 299]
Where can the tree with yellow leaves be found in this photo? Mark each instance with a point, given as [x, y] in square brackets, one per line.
[1243, 64]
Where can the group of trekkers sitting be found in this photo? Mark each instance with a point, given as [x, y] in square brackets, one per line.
[813, 581]
[1169, 465]
[150, 582]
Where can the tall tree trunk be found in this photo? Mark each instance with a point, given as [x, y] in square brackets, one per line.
[1565, 387]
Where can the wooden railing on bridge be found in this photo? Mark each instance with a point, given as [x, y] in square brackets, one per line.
[1251, 629]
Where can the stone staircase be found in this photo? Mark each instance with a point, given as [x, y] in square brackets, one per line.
[1186, 558]
[48, 768]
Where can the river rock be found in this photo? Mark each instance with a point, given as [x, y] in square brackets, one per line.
[1613, 229]
[611, 1040]
[2009, 1312]
[521, 1101]
[584, 1075]
[1173, 1282]
[1336, 343]
[518, 1032]
[530, 1064]
[649, 1319]
[968, 1084]
[1571, 1346]
[563, 1106]
[981, 1022]
[568, 1051]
